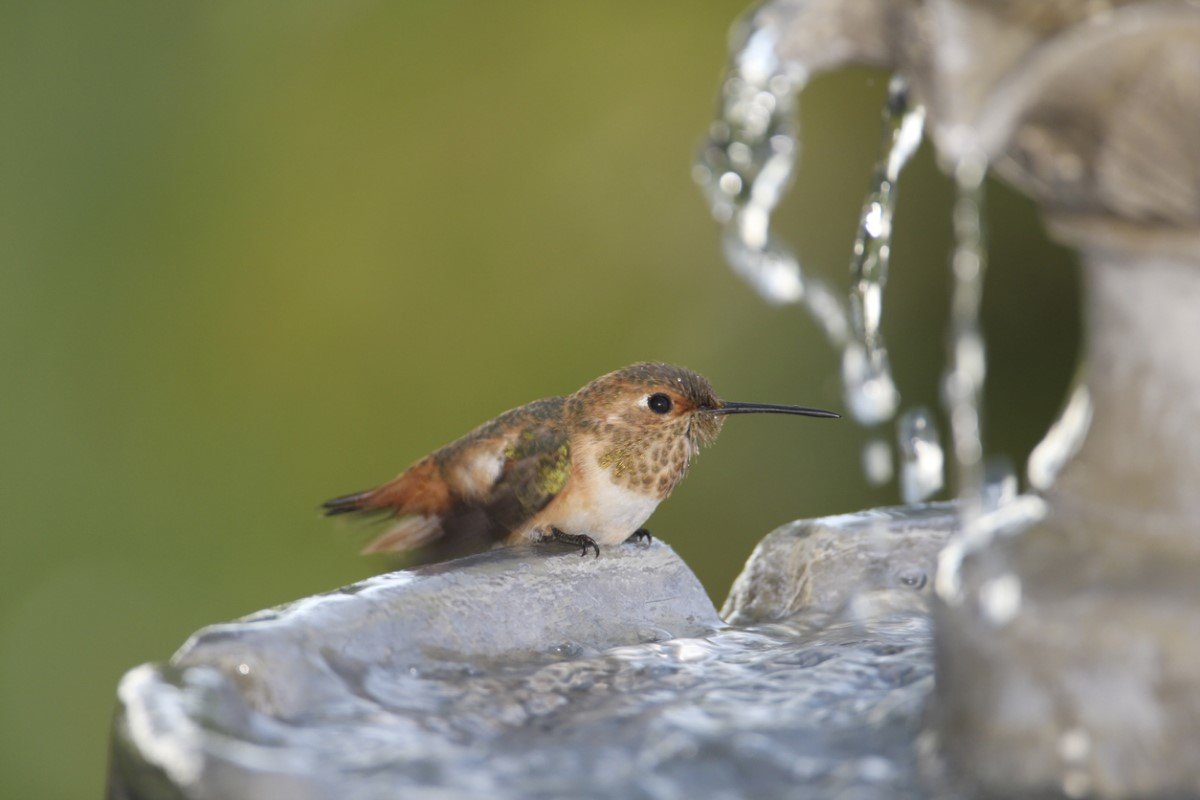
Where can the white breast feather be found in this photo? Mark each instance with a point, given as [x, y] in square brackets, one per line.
[613, 512]
[593, 504]
[600, 506]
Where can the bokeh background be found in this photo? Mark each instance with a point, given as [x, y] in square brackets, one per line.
[255, 254]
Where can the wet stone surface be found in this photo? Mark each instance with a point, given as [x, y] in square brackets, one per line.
[609, 677]
[868, 563]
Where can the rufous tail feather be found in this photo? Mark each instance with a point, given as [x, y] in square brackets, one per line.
[349, 504]
[417, 498]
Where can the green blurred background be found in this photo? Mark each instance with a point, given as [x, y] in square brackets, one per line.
[259, 253]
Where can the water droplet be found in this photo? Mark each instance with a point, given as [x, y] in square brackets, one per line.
[877, 462]
[1000, 598]
[783, 84]
[921, 458]
[873, 220]
[868, 387]
[740, 156]
[243, 669]
[758, 61]
[1074, 745]
[730, 183]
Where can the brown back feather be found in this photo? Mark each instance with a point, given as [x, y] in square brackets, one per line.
[445, 518]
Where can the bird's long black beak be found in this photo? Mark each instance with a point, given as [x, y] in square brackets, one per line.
[771, 408]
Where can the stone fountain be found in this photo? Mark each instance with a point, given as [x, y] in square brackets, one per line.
[1066, 626]
[521, 673]
[1067, 630]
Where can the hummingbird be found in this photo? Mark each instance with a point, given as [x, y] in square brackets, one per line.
[584, 470]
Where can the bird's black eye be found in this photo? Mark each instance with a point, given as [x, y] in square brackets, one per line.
[659, 403]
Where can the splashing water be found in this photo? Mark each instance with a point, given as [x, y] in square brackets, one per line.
[866, 374]
[988, 491]
[747, 163]
[962, 385]
[744, 168]
[921, 459]
[877, 462]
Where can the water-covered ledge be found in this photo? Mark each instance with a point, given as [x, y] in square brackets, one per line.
[520, 673]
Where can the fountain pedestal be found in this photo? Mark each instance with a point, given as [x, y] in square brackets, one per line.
[1067, 658]
[1066, 644]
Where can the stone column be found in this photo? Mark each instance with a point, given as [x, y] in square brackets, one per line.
[1068, 647]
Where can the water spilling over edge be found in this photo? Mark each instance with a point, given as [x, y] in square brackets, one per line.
[870, 391]
[747, 163]
[744, 168]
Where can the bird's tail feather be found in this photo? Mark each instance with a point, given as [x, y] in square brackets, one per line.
[349, 503]
[418, 498]
[407, 534]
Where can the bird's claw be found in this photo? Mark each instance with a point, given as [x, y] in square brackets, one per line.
[579, 540]
[640, 535]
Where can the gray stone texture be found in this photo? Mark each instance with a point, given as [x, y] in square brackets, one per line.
[528, 673]
[880, 557]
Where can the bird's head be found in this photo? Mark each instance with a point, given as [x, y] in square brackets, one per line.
[654, 402]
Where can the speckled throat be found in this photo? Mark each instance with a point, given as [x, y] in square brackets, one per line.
[650, 462]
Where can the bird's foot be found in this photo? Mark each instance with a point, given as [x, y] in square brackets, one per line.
[640, 535]
[577, 539]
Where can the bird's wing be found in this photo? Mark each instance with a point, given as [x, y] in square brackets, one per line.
[474, 490]
[536, 466]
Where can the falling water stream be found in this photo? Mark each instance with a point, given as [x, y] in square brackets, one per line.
[744, 168]
[866, 372]
[966, 368]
